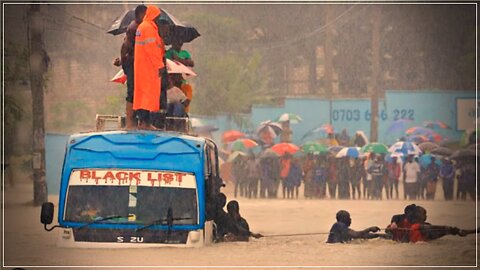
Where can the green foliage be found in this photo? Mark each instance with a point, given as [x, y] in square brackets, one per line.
[67, 115]
[229, 80]
[114, 105]
[16, 65]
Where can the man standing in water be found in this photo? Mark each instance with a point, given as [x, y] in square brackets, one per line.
[341, 232]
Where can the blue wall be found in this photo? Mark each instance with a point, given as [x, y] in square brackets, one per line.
[347, 114]
[54, 153]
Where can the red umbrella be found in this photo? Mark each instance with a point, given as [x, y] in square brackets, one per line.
[232, 135]
[282, 148]
[436, 124]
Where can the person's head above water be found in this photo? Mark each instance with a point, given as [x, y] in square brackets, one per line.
[409, 209]
[344, 217]
[221, 200]
[419, 215]
[233, 207]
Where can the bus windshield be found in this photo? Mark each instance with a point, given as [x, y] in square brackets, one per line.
[136, 196]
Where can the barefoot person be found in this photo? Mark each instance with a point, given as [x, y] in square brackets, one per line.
[126, 60]
[150, 67]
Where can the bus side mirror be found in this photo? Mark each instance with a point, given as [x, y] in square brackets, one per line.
[46, 217]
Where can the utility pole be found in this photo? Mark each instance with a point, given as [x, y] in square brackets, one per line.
[312, 72]
[38, 66]
[328, 59]
[376, 22]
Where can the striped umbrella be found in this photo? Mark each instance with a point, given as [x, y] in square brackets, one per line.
[406, 148]
[353, 152]
[243, 144]
[293, 118]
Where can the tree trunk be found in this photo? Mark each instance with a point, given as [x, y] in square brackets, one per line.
[38, 65]
[376, 21]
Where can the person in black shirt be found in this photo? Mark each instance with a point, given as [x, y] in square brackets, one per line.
[238, 229]
[341, 232]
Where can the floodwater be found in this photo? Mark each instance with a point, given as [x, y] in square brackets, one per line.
[27, 244]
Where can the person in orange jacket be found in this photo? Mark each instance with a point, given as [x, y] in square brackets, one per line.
[412, 227]
[150, 67]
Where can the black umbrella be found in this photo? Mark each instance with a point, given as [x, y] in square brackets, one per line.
[442, 151]
[464, 153]
[180, 31]
[121, 23]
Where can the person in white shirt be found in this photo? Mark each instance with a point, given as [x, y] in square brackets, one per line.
[410, 177]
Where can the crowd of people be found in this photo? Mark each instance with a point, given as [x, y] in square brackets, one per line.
[369, 177]
[153, 94]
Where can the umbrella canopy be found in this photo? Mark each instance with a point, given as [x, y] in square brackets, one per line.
[243, 144]
[314, 148]
[399, 125]
[283, 148]
[472, 146]
[353, 152]
[205, 129]
[464, 153]
[175, 67]
[334, 149]
[196, 122]
[293, 118]
[417, 139]
[406, 148]
[377, 148]
[426, 160]
[323, 129]
[172, 68]
[269, 153]
[442, 151]
[232, 135]
[235, 155]
[430, 134]
[269, 126]
[178, 30]
[120, 24]
[428, 146]
[436, 124]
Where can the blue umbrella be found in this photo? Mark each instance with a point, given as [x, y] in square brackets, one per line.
[406, 148]
[399, 125]
[426, 160]
[353, 152]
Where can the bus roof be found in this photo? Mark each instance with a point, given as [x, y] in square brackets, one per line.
[143, 144]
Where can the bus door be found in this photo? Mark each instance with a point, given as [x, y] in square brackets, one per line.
[213, 182]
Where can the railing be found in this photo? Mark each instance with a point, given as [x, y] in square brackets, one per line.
[115, 122]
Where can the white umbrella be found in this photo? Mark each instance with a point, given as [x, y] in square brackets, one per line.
[174, 94]
[177, 67]
[173, 67]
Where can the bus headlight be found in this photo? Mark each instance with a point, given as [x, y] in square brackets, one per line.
[194, 236]
[66, 234]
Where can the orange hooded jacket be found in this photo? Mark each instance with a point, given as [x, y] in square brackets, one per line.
[149, 58]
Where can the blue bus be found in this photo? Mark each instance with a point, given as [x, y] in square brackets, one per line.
[136, 188]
